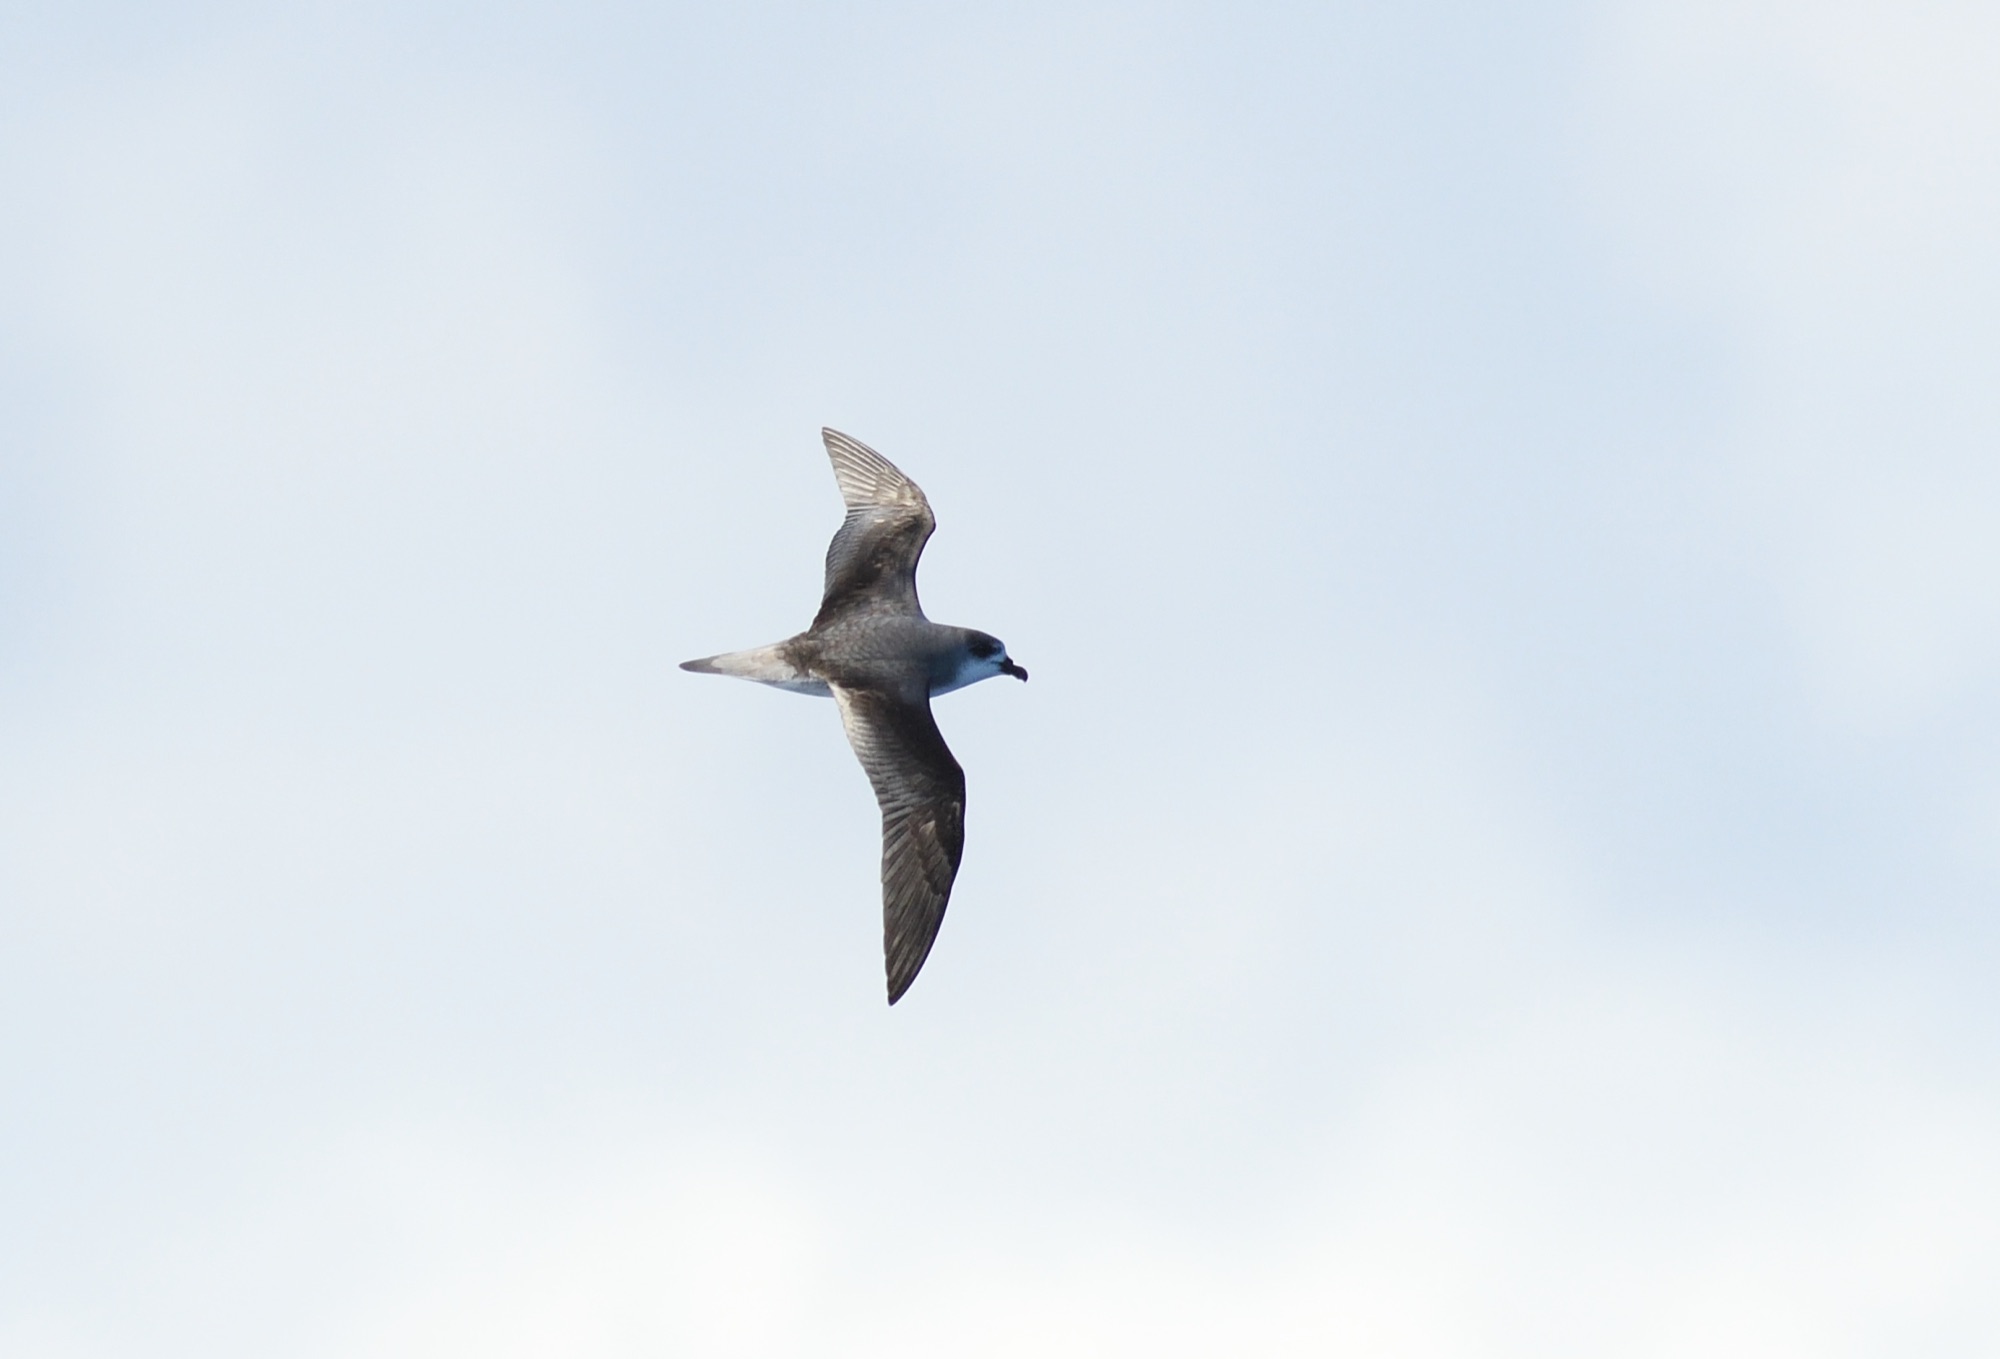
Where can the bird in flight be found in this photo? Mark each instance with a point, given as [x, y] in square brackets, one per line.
[875, 654]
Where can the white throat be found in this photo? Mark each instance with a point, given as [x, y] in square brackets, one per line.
[971, 670]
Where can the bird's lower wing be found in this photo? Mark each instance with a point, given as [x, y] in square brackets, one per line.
[921, 790]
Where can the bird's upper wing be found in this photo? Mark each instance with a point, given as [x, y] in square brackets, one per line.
[871, 564]
[922, 793]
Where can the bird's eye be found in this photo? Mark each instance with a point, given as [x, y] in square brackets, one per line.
[985, 648]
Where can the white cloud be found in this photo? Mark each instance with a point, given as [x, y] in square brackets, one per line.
[438, 1239]
[1626, 1171]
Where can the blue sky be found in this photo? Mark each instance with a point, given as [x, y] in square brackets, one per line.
[1497, 856]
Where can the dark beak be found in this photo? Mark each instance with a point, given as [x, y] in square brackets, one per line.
[1007, 667]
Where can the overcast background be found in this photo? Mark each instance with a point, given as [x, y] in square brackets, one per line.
[1498, 857]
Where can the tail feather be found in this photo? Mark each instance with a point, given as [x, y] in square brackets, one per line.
[765, 665]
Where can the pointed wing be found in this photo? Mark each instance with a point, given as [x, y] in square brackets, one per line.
[871, 565]
[922, 793]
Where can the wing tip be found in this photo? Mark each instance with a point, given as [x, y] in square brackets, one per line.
[899, 974]
[865, 476]
[902, 970]
[900, 986]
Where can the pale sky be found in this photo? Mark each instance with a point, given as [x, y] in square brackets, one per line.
[1499, 855]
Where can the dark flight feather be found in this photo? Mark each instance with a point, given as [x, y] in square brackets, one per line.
[871, 565]
[921, 791]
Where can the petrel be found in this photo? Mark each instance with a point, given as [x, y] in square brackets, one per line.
[872, 650]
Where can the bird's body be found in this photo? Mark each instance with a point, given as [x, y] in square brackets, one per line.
[872, 650]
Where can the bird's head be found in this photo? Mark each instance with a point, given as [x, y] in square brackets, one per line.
[988, 656]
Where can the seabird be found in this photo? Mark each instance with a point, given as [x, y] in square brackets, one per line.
[872, 650]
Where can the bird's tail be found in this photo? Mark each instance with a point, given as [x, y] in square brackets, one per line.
[765, 665]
